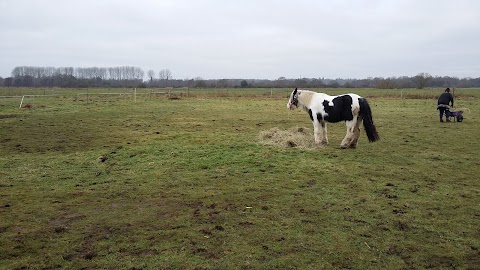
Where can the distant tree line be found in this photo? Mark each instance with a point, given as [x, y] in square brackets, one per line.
[69, 77]
[127, 76]
[104, 73]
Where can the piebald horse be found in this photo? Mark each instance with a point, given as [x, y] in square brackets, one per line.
[322, 108]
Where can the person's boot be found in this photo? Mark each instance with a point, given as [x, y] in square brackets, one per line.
[441, 120]
[448, 120]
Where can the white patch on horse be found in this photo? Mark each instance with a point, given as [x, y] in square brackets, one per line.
[316, 104]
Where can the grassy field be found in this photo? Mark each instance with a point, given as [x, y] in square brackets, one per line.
[186, 183]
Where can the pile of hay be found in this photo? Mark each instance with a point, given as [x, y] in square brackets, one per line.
[298, 137]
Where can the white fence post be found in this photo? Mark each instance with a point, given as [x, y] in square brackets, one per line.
[21, 102]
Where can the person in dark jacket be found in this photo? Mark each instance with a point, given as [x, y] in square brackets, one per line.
[443, 101]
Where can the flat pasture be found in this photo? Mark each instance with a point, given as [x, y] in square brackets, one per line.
[180, 179]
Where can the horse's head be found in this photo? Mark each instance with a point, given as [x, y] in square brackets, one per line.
[293, 101]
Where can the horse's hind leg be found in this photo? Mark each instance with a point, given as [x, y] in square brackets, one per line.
[350, 136]
[356, 133]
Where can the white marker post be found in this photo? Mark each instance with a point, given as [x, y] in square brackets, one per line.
[21, 102]
[453, 95]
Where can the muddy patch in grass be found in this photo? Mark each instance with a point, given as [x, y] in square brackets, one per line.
[5, 116]
[93, 237]
[63, 222]
[297, 137]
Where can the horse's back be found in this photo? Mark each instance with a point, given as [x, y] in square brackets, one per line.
[337, 108]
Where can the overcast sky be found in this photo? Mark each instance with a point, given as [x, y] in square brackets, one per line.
[255, 39]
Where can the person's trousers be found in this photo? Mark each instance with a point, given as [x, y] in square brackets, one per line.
[442, 111]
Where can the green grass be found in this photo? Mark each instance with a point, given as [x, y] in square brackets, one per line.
[186, 184]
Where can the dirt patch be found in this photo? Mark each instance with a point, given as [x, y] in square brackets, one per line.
[441, 262]
[86, 250]
[405, 253]
[297, 137]
[402, 226]
[473, 258]
[62, 223]
[139, 252]
[5, 116]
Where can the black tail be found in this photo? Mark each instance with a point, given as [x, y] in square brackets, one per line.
[368, 121]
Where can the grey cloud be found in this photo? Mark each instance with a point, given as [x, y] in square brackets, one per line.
[246, 39]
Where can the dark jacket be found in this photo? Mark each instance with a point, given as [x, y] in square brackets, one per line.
[445, 99]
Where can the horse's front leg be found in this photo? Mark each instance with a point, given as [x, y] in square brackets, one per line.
[320, 132]
[324, 130]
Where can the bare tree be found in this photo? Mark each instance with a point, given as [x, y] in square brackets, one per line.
[19, 71]
[151, 75]
[422, 79]
[388, 83]
[165, 75]
[169, 74]
[199, 82]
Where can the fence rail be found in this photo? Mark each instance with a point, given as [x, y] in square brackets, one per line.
[41, 95]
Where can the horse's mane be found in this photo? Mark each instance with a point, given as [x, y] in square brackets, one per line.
[306, 97]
